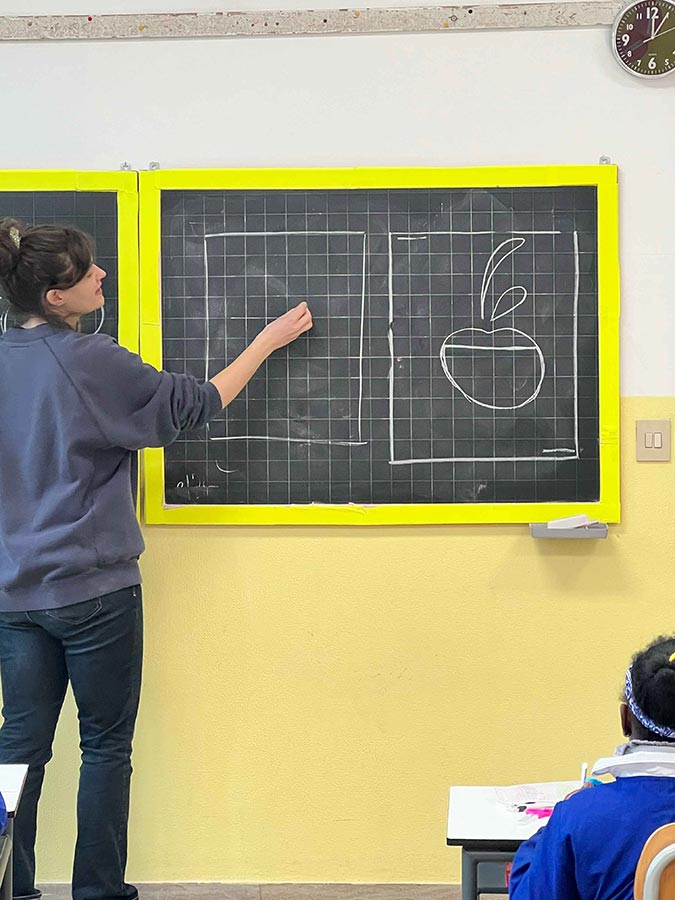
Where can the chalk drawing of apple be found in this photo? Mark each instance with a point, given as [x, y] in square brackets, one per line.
[498, 368]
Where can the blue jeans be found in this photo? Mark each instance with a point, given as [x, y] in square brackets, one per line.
[97, 646]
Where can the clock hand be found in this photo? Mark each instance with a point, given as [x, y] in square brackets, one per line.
[663, 22]
[667, 31]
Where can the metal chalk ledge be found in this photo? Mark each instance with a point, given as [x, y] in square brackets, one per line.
[541, 530]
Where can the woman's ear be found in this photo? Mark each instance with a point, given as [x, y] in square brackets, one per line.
[626, 724]
[53, 299]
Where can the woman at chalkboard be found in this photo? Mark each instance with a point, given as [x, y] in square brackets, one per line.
[74, 408]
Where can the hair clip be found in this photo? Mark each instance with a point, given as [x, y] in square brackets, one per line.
[15, 235]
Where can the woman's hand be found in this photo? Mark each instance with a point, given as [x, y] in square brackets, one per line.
[277, 334]
[287, 328]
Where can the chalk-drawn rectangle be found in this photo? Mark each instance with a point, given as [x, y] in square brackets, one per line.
[483, 342]
[312, 391]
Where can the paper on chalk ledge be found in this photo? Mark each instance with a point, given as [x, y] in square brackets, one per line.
[580, 521]
[548, 793]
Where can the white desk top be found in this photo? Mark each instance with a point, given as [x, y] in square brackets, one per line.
[475, 815]
[12, 778]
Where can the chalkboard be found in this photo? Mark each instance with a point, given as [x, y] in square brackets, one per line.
[454, 358]
[102, 204]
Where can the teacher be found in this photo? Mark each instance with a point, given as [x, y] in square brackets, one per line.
[74, 409]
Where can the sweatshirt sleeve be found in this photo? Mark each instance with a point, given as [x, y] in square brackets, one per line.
[544, 866]
[133, 404]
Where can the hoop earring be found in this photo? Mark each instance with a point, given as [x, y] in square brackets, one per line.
[100, 324]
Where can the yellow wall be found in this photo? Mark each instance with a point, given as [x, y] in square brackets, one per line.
[311, 694]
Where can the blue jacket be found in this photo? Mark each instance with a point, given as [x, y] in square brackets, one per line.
[74, 408]
[591, 845]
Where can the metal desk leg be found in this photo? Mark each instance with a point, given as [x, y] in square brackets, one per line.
[7, 884]
[469, 876]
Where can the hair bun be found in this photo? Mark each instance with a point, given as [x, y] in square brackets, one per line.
[10, 245]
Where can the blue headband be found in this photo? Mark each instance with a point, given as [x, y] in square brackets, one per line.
[662, 730]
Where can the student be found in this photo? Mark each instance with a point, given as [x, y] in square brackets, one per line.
[74, 408]
[590, 847]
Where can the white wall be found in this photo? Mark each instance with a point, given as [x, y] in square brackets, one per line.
[471, 98]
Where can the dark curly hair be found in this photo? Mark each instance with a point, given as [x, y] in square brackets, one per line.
[653, 680]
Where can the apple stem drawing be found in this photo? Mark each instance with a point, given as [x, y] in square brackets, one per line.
[518, 352]
[488, 275]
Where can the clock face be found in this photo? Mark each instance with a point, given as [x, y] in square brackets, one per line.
[644, 38]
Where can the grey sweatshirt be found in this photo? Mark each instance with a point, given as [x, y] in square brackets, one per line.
[74, 408]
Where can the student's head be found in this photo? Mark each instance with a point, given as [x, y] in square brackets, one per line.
[648, 708]
[48, 272]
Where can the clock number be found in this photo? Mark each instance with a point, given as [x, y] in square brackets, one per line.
[651, 64]
[625, 38]
[652, 12]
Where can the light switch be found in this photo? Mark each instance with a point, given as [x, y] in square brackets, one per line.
[652, 440]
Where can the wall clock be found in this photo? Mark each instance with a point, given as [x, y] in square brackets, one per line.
[643, 38]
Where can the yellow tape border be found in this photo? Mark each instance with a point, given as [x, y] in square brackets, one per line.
[604, 177]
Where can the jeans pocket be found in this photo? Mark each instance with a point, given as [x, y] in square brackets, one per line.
[76, 613]
[13, 617]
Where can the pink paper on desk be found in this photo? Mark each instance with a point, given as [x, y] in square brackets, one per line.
[541, 812]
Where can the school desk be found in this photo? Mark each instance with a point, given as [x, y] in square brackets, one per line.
[12, 778]
[489, 835]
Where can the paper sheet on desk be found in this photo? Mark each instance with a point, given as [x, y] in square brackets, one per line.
[475, 814]
[547, 793]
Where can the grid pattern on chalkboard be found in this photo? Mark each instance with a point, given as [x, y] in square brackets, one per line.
[311, 391]
[454, 357]
[508, 354]
[92, 211]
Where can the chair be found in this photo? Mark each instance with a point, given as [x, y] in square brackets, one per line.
[655, 872]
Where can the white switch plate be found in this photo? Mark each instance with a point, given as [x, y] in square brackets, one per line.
[652, 440]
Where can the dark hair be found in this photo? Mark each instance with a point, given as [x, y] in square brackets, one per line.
[38, 259]
[653, 677]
